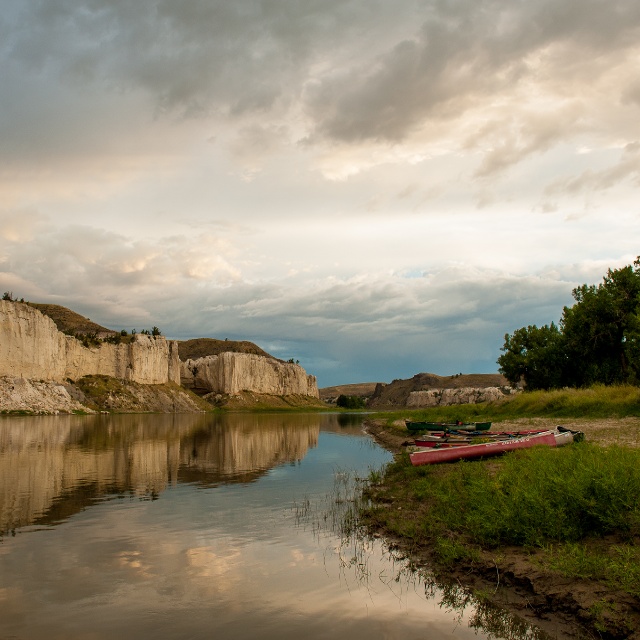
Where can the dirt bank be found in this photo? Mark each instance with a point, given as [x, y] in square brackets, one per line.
[93, 394]
[513, 578]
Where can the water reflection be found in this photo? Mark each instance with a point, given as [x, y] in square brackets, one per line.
[357, 549]
[249, 536]
[54, 466]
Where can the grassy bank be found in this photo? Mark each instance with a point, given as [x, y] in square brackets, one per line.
[596, 402]
[538, 498]
[573, 513]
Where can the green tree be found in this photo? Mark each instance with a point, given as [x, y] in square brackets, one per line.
[534, 356]
[598, 339]
[602, 329]
[350, 402]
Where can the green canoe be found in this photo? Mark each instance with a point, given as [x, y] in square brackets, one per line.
[447, 426]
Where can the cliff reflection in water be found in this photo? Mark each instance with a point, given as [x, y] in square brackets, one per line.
[54, 466]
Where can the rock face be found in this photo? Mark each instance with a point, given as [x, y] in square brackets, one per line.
[32, 347]
[231, 373]
[463, 395]
[37, 396]
[431, 390]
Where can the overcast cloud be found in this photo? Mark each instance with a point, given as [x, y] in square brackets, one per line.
[374, 188]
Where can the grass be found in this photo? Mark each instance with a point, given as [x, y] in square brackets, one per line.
[617, 565]
[573, 512]
[531, 498]
[598, 401]
[98, 389]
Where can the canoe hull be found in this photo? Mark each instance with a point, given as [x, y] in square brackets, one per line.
[444, 439]
[488, 449]
[447, 426]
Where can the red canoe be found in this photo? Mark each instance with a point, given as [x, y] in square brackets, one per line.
[487, 449]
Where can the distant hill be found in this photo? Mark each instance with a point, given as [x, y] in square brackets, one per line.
[396, 393]
[69, 321]
[201, 347]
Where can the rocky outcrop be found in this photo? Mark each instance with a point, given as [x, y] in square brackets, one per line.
[231, 373]
[39, 397]
[430, 390]
[463, 395]
[32, 347]
[94, 394]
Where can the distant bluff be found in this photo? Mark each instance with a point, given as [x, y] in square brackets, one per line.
[425, 390]
[430, 390]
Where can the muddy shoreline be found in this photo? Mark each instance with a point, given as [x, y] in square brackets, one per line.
[559, 606]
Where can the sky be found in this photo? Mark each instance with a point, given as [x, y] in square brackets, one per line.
[374, 188]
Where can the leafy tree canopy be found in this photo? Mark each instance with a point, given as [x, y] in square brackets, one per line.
[597, 340]
[350, 402]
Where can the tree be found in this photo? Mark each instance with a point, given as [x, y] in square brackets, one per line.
[350, 402]
[533, 356]
[598, 339]
[602, 329]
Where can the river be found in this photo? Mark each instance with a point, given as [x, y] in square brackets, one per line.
[205, 526]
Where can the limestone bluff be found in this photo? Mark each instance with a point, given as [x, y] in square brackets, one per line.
[33, 349]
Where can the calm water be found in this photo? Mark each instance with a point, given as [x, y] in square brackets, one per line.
[196, 526]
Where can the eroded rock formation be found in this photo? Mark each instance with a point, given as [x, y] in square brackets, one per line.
[32, 347]
[430, 390]
[230, 373]
[463, 395]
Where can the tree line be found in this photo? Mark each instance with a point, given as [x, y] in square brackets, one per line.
[597, 340]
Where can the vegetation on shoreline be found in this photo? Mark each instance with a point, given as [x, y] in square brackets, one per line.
[573, 512]
[598, 401]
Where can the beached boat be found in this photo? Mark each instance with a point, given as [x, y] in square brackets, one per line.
[446, 426]
[437, 455]
[458, 438]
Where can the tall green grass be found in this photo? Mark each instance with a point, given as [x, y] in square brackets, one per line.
[529, 498]
[617, 566]
[599, 401]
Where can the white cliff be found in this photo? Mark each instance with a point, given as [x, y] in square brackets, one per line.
[32, 347]
[231, 373]
[461, 395]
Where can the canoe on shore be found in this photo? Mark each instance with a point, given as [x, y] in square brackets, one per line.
[446, 426]
[458, 438]
[433, 455]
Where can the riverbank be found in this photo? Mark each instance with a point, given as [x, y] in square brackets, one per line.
[100, 394]
[518, 578]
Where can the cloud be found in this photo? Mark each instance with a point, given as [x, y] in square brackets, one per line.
[116, 274]
[371, 325]
[626, 169]
[360, 83]
[391, 326]
[466, 56]
[364, 178]
[20, 226]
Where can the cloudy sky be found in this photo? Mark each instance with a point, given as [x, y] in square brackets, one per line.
[374, 188]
